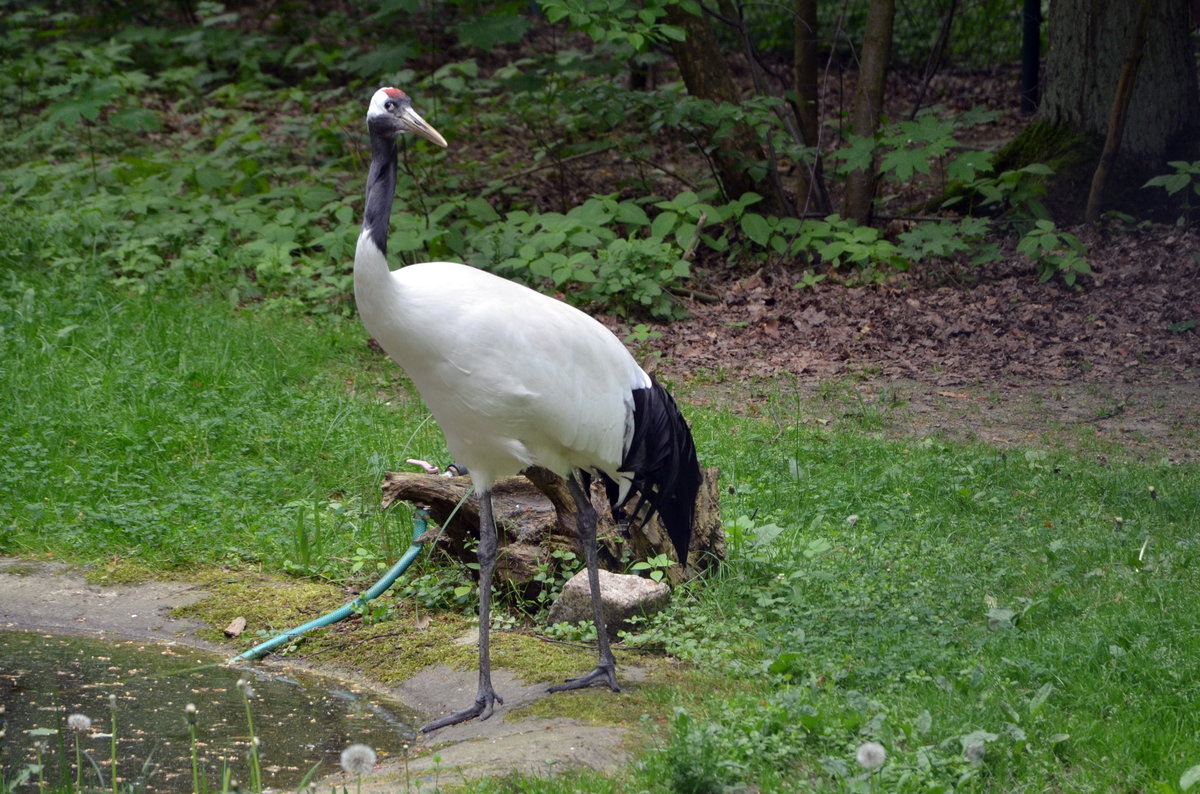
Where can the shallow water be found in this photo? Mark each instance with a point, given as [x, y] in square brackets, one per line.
[299, 720]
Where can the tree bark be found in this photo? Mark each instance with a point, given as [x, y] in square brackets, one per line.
[1120, 110]
[810, 185]
[1089, 40]
[1031, 55]
[706, 75]
[535, 515]
[868, 103]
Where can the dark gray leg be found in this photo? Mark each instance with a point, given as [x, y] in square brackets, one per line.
[482, 707]
[606, 671]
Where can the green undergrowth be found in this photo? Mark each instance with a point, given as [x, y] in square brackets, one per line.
[996, 618]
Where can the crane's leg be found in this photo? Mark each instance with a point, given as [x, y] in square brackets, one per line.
[482, 707]
[606, 671]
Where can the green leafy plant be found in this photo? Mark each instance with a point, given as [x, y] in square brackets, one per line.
[1187, 175]
[656, 567]
[553, 574]
[1055, 252]
[619, 22]
[1017, 191]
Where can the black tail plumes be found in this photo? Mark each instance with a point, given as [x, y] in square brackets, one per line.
[662, 460]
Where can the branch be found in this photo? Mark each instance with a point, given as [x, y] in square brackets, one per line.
[1120, 110]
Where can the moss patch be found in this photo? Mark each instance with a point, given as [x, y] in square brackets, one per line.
[268, 603]
[395, 650]
[412, 639]
[1057, 146]
[119, 570]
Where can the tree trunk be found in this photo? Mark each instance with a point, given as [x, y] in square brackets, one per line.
[868, 103]
[1031, 54]
[1088, 44]
[810, 186]
[1120, 110]
[706, 75]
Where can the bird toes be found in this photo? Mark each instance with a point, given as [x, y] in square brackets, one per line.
[603, 675]
[481, 708]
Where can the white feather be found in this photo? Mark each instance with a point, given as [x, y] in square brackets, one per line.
[519, 378]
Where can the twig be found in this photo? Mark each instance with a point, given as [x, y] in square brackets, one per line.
[695, 294]
[343, 645]
[554, 163]
[660, 167]
[935, 58]
[690, 251]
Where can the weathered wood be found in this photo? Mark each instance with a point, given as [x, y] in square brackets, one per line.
[535, 516]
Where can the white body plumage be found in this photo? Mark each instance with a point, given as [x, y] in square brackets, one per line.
[515, 378]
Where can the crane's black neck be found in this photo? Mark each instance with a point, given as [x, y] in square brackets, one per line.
[381, 187]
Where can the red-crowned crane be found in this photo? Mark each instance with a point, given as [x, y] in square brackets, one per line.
[518, 379]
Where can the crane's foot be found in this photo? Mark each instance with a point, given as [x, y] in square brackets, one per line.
[603, 675]
[482, 708]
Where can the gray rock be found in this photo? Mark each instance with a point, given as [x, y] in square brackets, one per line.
[621, 596]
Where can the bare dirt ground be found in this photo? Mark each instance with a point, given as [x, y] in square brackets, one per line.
[983, 353]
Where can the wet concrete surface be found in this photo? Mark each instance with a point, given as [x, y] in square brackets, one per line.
[51, 597]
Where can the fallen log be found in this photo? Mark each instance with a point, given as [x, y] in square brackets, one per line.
[535, 517]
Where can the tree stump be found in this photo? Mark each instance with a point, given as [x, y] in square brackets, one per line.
[535, 516]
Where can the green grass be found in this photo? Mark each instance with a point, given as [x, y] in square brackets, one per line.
[917, 593]
[921, 593]
[178, 430]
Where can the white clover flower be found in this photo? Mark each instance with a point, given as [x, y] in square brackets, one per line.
[871, 755]
[80, 723]
[852, 519]
[358, 759]
[191, 713]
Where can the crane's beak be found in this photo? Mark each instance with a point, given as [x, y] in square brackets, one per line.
[412, 122]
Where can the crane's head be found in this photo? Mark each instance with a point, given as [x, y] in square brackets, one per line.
[391, 113]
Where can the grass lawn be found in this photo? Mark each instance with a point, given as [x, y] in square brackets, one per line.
[185, 388]
[995, 618]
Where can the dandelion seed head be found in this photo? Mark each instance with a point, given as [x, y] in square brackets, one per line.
[358, 759]
[80, 723]
[871, 755]
[190, 712]
[244, 685]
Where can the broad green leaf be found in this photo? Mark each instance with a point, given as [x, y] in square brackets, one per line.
[968, 165]
[756, 228]
[584, 239]
[663, 223]
[211, 179]
[904, 162]
[628, 212]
